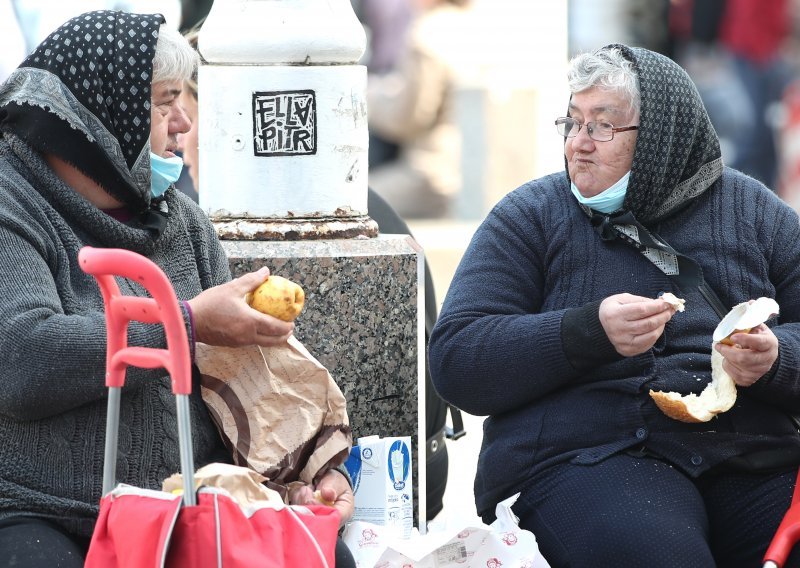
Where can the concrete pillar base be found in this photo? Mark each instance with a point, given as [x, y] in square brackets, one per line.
[295, 229]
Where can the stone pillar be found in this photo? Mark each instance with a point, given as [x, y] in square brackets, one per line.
[283, 145]
[286, 106]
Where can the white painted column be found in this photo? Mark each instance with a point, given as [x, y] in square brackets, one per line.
[283, 120]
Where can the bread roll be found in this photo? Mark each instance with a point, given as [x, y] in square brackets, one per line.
[720, 394]
[744, 317]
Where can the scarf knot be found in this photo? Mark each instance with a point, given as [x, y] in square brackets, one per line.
[604, 223]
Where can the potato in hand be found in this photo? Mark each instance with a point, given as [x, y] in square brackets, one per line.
[278, 297]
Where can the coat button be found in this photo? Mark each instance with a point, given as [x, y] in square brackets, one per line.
[697, 460]
[641, 433]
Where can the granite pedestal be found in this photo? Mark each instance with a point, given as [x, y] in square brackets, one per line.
[363, 319]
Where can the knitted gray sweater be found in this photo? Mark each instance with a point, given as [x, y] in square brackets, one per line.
[52, 348]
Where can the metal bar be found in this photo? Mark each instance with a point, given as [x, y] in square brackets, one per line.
[112, 439]
[185, 441]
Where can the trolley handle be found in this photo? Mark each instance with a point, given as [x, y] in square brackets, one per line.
[163, 308]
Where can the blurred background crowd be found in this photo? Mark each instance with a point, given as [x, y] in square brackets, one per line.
[462, 93]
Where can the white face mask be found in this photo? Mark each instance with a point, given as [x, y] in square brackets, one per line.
[163, 173]
[606, 201]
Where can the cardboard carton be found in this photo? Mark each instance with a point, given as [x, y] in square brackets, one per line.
[382, 484]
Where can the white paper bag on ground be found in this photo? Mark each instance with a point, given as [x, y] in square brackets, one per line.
[472, 545]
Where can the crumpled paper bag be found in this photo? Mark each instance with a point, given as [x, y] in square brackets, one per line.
[278, 409]
[243, 484]
[472, 545]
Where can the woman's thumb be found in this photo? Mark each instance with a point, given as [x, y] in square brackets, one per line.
[252, 280]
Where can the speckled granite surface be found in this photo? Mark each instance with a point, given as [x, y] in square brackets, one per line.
[361, 320]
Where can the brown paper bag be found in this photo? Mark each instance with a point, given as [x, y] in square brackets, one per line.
[244, 485]
[278, 409]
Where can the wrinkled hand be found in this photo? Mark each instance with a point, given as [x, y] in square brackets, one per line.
[222, 317]
[333, 488]
[751, 356]
[633, 324]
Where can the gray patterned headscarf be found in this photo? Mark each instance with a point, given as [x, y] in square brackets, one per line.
[84, 96]
[676, 158]
[677, 154]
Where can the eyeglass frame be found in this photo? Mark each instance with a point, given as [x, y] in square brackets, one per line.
[580, 125]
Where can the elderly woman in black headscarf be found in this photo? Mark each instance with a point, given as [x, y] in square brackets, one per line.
[554, 327]
[88, 126]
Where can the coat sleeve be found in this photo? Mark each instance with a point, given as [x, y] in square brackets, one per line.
[53, 345]
[778, 231]
[493, 349]
[50, 360]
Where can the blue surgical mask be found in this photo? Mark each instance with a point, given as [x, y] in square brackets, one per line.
[609, 200]
[163, 173]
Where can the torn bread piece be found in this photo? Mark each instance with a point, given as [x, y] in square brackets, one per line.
[744, 317]
[720, 394]
[678, 303]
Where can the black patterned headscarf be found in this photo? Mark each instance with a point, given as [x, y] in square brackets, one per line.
[677, 155]
[84, 95]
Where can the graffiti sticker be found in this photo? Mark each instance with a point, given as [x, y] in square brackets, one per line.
[284, 123]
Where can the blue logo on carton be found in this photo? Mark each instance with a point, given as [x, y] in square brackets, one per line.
[399, 464]
[353, 465]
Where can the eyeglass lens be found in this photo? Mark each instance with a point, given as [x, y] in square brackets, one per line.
[599, 131]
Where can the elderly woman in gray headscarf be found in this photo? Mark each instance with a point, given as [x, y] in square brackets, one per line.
[88, 127]
[554, 327]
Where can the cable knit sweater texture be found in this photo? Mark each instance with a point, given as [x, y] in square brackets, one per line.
[498, 349]
[519, 338]
[52, 349]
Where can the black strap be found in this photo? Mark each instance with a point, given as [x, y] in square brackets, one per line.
[457, 430]
[712, 298]
[690, 274]
[435, 442]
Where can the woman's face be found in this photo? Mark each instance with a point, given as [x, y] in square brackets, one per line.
[595, 166]
[167, 118]
[187, 142]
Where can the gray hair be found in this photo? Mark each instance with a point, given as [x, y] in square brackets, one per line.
[175, 59]
[607, 69]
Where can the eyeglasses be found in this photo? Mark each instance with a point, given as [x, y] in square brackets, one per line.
[597, 131]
